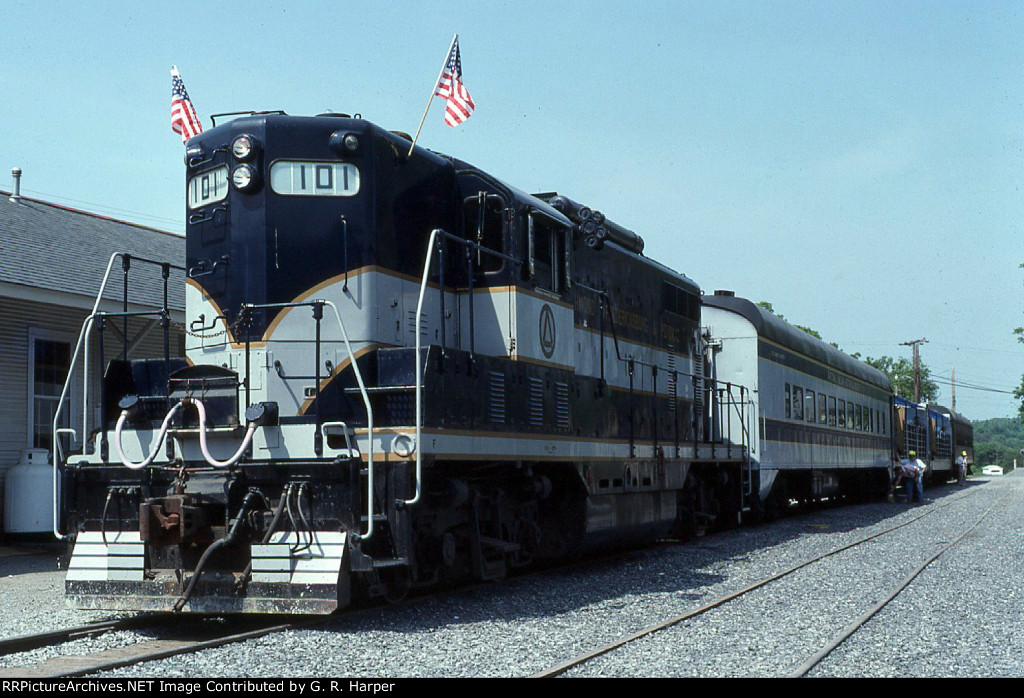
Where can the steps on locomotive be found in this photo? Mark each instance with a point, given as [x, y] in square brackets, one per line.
[393, 395]
[391, 520]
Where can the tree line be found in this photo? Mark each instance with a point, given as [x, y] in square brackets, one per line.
[998, 442]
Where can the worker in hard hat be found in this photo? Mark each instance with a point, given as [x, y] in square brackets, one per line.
[961, 468]
[912, 470]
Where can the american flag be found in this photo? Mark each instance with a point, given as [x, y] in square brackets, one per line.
[460, 104]
[184, 119]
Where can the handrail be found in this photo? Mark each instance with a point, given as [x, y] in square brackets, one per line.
[419, 361]
[419, 368]
[317, 305]
[85, 395]
[431, 244]
[369, 419]
[714, 386]
[82, 348]
[64, 430]
[741, 406]
[344, 432]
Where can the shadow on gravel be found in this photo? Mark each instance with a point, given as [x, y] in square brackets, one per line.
[682, 571]
[678, 570]
[22, 559]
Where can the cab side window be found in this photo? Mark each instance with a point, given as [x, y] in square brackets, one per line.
[549, 248]
[483, 223]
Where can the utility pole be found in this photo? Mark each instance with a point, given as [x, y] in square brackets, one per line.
[952, 380]
[917, 366]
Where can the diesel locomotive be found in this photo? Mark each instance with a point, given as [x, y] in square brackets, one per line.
[401, 371]
[936, 434]
[398, 371]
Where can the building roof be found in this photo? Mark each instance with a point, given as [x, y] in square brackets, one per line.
[56, 249]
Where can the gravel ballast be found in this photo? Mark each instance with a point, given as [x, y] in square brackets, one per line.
[963, 616]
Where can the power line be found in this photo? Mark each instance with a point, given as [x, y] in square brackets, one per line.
[969, 386]
[980, 379]
[101, 208]
[947, 347]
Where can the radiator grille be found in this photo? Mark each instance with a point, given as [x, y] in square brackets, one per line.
[562, 405]
[536, 408]
[496, 397]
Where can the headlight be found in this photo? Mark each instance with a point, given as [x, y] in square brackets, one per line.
[244, 178]
[344, 143]
[193, 155]
[243, 147]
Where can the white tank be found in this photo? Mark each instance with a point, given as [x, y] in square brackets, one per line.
[28, 494]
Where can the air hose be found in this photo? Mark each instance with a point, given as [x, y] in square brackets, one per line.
[216, 545]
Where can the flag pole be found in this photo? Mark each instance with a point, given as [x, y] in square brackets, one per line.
[432, 91]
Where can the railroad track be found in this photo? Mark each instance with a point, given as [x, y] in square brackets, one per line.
[813, 660]
[26, 643]
[180, 635]
[177, 635]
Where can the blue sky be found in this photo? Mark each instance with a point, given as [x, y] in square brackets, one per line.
[857, 164]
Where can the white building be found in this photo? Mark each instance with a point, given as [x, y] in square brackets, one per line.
[52, 263]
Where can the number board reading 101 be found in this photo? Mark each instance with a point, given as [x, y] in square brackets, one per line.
[298, 178]
[208, 187]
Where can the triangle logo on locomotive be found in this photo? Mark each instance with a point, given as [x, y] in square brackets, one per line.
[547, 331]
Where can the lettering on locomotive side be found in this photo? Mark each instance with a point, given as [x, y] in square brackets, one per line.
[589, 310]
[586, 311]
[674, 335]
[627, 319]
